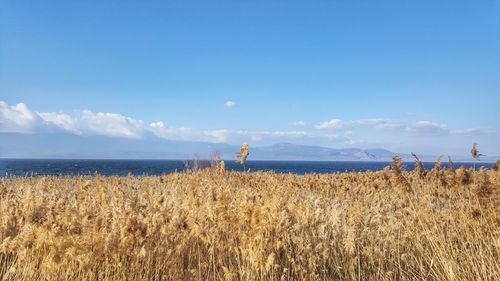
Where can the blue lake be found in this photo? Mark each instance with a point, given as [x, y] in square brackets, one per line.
[29, 167]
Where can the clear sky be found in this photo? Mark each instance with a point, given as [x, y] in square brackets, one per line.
[402, 75]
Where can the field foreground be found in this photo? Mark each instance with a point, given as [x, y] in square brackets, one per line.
[210, 225]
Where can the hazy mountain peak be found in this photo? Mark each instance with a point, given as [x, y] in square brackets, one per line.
[19, 145]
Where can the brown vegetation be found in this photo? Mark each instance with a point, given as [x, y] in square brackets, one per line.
[243, 154]
[213, 225]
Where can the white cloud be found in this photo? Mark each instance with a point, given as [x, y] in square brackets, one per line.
[61, 120]
[172, 133]
[332, 124]
[418, 128]
[216, 135]
[377, 123]
[110, 124]
[17, 118]
[299, 124]
[157, 125]
[20, 118]
[333, 133]
[230, 104]
[427, 128]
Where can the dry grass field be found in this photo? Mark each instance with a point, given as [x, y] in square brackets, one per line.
[442, 224]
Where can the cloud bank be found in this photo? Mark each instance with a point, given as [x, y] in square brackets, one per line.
[20, 118]
[419, 127]
[16, 118]
[230, 103]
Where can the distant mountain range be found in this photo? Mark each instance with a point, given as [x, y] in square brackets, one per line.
[16, 145]
[288, 151]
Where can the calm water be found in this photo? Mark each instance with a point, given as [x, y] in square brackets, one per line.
[23, 167]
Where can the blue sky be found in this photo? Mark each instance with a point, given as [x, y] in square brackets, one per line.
[419, 75]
